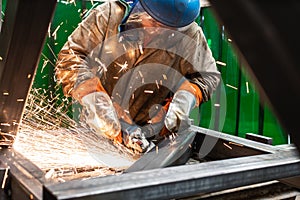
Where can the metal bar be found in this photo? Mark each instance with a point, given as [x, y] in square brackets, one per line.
[259, 138]
[264, 33]
[22, 37]
[26, 179]
[181, 181]
[263, 148]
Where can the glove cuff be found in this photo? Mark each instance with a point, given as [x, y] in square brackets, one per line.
[194, 89]
[179, 110]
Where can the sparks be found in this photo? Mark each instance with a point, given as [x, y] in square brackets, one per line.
[54, 34]
[123, 67]
[44, 65]
[247, 87]
[165, 77]
[231, 86]
[101, 65]
[221, 63]
[157, 85]
[62, 147]
[148, 91]
[226, 145]
[5, 177]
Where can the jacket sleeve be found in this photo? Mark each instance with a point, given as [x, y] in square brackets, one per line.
[199, 65]
[72, 66]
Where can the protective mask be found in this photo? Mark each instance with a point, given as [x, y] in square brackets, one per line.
[140, 24]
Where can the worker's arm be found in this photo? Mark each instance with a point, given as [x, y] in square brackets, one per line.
[198, 64]
[202, 78]
[78, 77]
[74, 64]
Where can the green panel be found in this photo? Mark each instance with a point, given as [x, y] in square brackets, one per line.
[211, 31]
[65, 19]
[249, 107]
[2, 10]
[230, 75]
[273, 129]
[3, 6]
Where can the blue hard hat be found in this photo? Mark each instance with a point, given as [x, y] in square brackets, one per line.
[174, 13]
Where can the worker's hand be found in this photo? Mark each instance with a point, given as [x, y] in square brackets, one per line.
[179, 110]
[99, 113]
[133, 137]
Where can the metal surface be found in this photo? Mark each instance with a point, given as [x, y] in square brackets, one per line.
[180, 181]
[25, 179]
[267, 191]
[166, 153]
[21, 39]
[266, 163]
[257, 163]
[259, 138]
[265, 35]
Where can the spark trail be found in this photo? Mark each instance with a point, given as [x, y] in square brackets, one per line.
[57, 144]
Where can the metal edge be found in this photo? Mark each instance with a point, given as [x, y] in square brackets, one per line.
[181, 181]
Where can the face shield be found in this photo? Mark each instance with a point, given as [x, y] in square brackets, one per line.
[140, 24]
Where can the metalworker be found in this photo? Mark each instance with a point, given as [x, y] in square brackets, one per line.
[138, 70]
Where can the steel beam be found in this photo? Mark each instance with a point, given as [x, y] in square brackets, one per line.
[181, 181]
[258, 163]
[25, 179]
[264, 33]
[21, 40]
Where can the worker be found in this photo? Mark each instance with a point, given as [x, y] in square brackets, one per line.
[138, 70]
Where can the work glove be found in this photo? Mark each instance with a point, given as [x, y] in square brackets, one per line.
[179, 110]
[99, 113]
[134, 137]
